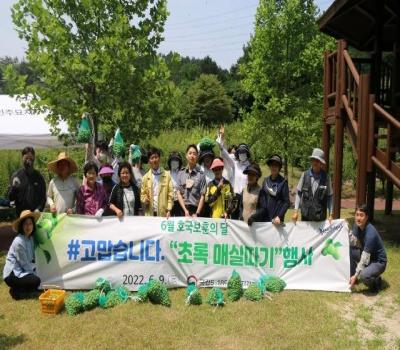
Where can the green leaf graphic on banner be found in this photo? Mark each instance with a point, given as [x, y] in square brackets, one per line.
[331, 248]
[47, 255]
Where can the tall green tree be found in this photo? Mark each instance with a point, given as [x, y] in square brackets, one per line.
[95, 56]
[284, 74]
[207, 102]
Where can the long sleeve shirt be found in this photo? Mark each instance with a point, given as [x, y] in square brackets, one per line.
[30, 193]
[62, 193]
[20, 257]
[235, 168]
[89, 201]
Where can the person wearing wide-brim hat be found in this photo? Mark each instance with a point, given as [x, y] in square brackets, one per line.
[314, 191]
[19, 271]
[63, 188]
[248, 200]
[274, 194]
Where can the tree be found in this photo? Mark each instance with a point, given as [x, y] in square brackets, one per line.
[207, 102]
[284, 74]
[95, 56]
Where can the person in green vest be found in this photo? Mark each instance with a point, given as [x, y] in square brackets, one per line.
[157, 191]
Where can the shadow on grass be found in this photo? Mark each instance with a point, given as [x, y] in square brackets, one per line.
[9, 341]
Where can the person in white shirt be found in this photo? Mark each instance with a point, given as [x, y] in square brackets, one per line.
[63, 188]
[235, 166]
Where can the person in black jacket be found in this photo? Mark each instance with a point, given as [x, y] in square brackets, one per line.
[27, 185]
[125, 196]
[273, 200]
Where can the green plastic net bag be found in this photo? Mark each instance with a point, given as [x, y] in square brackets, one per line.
[109, 300]
[123, 294]
[253, 293]
[103, 285]
[135, 154]
[158, 293]
[84, 132]
[91, 299]
[206, 144]
[74, 304]
[235, 288]
[215, 297]
[275, 284]
[118, 144]
[193, 296]
[142, 294]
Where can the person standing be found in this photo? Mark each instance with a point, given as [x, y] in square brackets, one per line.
[219, 192]
[314, 191]
[64, 187]
[125, 196]
[235, 166]
[27, 186]
[157, 191]
[248, 203]
[91, 198]
[274, 193]
[174, 165]
[192, 185]
[368, 258]
[19, 270]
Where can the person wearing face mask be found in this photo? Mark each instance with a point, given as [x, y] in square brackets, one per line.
[27, 186]
[273, 199]
[63, 188]
[174, 165]
[157, 191]
[236, 166]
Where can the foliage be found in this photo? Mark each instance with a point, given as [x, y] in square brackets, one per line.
[206, 102]
[97, 57]
[284, 74]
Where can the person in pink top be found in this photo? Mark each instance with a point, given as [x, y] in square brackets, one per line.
[92, 198]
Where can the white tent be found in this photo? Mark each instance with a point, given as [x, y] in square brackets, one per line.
[20, 128]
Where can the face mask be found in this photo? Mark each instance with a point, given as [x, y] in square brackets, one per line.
[107, 180]
[102, 157]
[242, 157]
[174, 164]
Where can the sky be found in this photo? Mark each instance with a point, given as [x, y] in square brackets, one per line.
[195, 28]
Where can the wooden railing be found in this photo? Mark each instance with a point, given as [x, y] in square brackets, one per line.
[386, 152]
[373, 132]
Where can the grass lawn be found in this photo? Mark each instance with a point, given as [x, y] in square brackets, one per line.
[292, 320]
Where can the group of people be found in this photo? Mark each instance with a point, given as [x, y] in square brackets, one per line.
[225, 186]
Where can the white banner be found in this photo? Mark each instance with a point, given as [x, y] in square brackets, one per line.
[73, 251]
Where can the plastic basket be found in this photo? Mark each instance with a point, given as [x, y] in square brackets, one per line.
[52, 301]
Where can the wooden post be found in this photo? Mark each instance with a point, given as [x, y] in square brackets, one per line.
[371, 177]
[339, 131]
[362, 140]
[325, 126]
